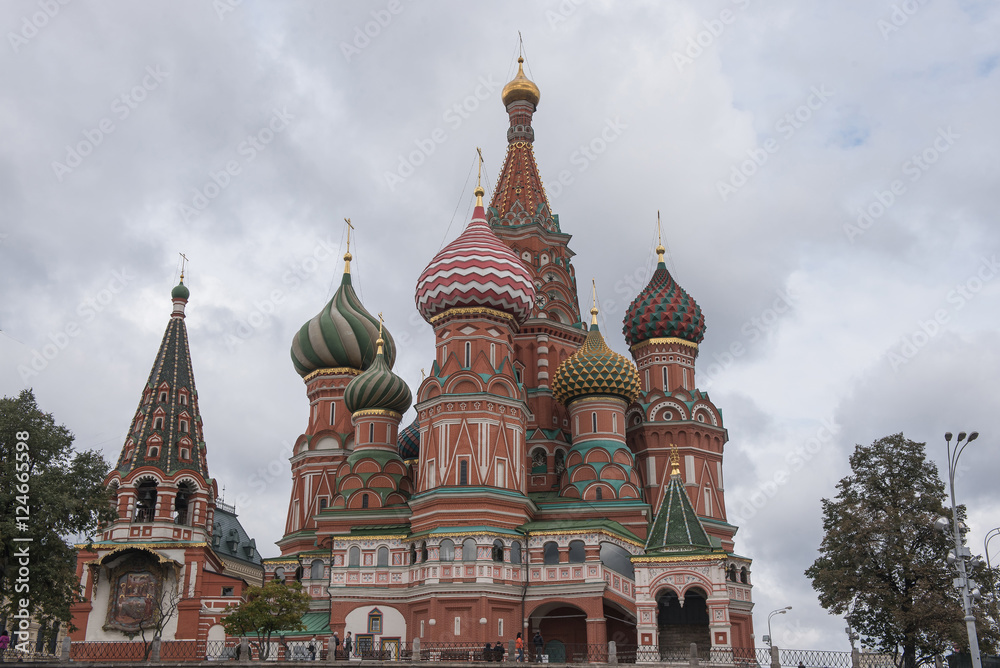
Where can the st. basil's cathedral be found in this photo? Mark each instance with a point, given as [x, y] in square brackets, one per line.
[546, 484]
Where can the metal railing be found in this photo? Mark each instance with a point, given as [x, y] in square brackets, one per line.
[808, 658]
[108, 650]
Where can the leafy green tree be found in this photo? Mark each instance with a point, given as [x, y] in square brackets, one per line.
[276, 607]
[883, 564]
[48, 493]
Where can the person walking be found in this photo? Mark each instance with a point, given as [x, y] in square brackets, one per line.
[539, 645]
[312, 649]
[4, 644]
[519, 646]
[336, 645]
[348, 645]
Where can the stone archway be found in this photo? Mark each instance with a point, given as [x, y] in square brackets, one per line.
[682, 621]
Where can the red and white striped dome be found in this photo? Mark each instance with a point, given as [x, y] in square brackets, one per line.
[476, 270]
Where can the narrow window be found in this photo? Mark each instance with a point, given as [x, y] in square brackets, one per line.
[158, 423]
[517, 374]
[614, 422]
[431, 474]
[463, 472]
[468, 354]
[501, 474]
[322, 503]
[493, 355]
[364, 500]
[333, 412]
[458, 626]
[421, 628]
[354, 556]
[184, 426]
[515, 553]
[593, 420]
[577, 551]
[154, 451]
[599, 493]
[708, 501]
[383, 556]
[469, 549]
[447, 551]
[500, 628]
[316, 570]
[185, 454]
[163, 397]
[184, 400]
[371, 432]
[498, 551]
[550, 553]
[665, 386]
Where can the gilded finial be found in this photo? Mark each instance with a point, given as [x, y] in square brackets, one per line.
[347, 256]
[422, 374]
[593, 309]
[675, 460]
[479, 192]
[660, 250]
[184, 260]
[379, 341]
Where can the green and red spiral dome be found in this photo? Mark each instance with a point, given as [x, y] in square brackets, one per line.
[663, 310]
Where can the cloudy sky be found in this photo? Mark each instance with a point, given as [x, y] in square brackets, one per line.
[826, 174]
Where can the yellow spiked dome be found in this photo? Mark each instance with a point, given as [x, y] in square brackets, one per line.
[595, 369]
[521, 88]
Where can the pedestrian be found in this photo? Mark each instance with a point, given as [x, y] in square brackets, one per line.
[4, 643]
[498, 652]
[519, 646]
[348, 645]
[336, 645]
[488, 652]
[539, 645]
[312, 649]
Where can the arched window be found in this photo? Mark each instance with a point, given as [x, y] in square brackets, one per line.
[618, 559]
[423, 552]
[163, 397]
[732, 572]
[599, 494]
[539, 459]
[383, 556]
[577, 551]
[184, 492]
[469, 549]
[184, 426]
[560, 462]
[145, 504]
[184, 400]
[364, 500]
[354, 556]
[413, 553]
[515, 553]
[158, 423]
[279, 574]
[743, 575]
[463, 472]
[550, 553]
[447, 551]
[497, 551]
[316, 570]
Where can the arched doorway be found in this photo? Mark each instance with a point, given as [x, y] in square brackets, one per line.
[683, 624]
[561, 624]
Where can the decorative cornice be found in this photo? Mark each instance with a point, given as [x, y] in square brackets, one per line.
[673, 559]
[669, 339]
[334, 371]
[581, 532]
[472, 310]
[377, 412]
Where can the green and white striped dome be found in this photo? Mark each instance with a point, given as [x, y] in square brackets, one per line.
[342, 335]
[378, 388]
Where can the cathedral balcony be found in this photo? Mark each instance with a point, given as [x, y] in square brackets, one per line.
[558, 574]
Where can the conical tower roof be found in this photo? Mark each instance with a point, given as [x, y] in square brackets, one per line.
[342, 335]
[677, 527]
[167, 424]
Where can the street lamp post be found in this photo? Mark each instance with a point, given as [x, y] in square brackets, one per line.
[781, 611]
[962, 553]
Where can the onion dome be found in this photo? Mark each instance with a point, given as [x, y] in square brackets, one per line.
[476, 270]
[342, 335]
[663, 310]
[520, 88]
[378, 388]
[180, 291]
[595, 369]
[408, 441]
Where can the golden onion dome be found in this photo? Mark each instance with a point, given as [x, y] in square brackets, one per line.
[521, 88]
